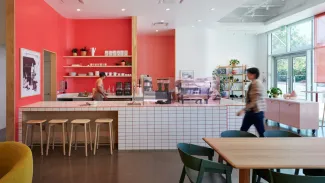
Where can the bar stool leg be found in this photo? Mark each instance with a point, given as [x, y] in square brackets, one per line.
[86, 140]
[26, 134]
[53, 137]
[90, 138]
[323, 115]
[110, 137]
[67, 131]
[113, 134]
[63, 138]
[32, 136]
[75, 139]
[70, 143]
[96, 136]
[41, 131]
[48, 140]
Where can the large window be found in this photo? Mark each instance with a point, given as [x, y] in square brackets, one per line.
[279, 41]
[292, 38]
[301, 36]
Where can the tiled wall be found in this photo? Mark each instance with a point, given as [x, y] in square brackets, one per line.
[157, 128]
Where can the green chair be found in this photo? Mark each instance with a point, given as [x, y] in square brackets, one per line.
[280, 133]
[286, 178]
[201, 170]
[314, 172]
[236, 134]
[272, 134]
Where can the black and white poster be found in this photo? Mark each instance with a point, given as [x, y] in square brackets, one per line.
[30, 72]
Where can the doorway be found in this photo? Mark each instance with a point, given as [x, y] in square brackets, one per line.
[49, 76]
[291, 74]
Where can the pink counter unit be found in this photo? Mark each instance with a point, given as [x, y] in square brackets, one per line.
[294, 113]
[151, 126]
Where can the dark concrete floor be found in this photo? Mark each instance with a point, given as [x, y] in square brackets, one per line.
[122, 167]
[2, 135]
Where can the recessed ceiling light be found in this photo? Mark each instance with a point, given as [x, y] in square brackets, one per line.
[78, 9]
[212, 9]
[199, 20]
[162, 20]
[167, 9]
[193, 26]
[157, 30]
[123, 9]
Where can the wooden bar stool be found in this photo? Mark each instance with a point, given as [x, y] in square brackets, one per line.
[52, 123]
[111, 133]
[83, 122]
[30, 124]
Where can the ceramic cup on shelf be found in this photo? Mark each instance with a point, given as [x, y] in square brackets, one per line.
[106, 53]
[110, 74]
[97, 73]
[114, 73]
[106, 73]
[125, 52]
[114, 52]
[110, 53]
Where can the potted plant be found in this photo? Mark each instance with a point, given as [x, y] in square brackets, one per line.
[74, 52]
[83, 51]
[123, 63]
[234, 62]
[274, 92]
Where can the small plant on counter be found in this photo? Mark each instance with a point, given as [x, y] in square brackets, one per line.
[128, 63]
[234, 62]
[123, 63]
[83, 51]
[74, 51]
[274, 92]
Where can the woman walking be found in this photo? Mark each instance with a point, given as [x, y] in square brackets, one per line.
[255, 104]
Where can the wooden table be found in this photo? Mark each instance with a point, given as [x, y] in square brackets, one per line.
[269, 153]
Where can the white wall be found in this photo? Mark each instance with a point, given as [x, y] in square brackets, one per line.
[262, 56]
[202, 50]
[2, 22]
[3, 87]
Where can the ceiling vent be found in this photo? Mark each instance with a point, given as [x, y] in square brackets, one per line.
[160, 25]
[170, 1]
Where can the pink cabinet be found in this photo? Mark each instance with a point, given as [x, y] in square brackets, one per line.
[273, 109]
[294, 113]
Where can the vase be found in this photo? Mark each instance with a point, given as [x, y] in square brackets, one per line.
[122, 63]
[275, 96]
[83, 53]
[233, 65]
[75, 54]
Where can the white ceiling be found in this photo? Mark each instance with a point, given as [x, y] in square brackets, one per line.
[149, 11]
[190, 11]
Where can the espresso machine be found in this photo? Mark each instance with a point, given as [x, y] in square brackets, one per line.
[119, 88]
[127, 88]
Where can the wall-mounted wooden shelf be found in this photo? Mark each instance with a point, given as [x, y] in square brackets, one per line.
[99, 56]
[110, 66]
[97, 76]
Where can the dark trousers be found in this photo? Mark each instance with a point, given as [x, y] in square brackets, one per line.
[256, 119]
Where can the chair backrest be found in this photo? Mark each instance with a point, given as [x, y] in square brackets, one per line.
[16, 163]
[280, 133]
[286, 178]
[187, 153]
[235, 133]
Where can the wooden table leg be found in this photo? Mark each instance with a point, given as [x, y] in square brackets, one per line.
[244, 175]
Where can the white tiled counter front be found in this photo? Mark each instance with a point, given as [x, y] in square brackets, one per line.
[153, 126]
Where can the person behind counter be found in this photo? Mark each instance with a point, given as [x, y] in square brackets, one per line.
[255, 104]
[99, 93]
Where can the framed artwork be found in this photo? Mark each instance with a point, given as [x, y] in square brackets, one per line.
[187, 75]
[30, 73]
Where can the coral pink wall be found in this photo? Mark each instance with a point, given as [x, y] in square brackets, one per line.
[156, 56]
[103, 34]
[320, 48]
[37, 27]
